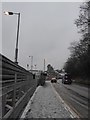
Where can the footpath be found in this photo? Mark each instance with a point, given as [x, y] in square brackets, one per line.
[46, 103]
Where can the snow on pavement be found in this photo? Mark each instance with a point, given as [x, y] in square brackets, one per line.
[46, 104]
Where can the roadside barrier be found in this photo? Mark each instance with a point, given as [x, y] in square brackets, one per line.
[16, 87]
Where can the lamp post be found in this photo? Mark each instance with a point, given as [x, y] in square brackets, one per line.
[35, 66]
[89, 17]
[16, 49]
[31, 62]
[44, 65]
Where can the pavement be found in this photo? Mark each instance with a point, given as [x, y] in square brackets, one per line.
[47, 103]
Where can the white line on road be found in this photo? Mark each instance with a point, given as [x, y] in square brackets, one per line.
[73, 114]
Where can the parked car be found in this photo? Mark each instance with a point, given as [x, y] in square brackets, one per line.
[66, 79]
[53, 80]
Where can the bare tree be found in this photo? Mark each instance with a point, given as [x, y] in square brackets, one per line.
[83, 22]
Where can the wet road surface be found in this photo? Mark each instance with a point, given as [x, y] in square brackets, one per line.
[75, 96]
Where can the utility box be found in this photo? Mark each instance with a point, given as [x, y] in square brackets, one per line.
[42, 78]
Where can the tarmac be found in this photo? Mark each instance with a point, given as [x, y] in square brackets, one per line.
[47, 103]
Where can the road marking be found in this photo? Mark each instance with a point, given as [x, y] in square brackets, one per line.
[73, 114]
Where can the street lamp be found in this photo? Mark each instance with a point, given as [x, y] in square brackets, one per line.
[16, 49]
[35, 66]
[31, 62]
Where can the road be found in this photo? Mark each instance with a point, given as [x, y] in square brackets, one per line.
[75, 96]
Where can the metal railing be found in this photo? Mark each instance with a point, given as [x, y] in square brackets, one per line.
[16, 87]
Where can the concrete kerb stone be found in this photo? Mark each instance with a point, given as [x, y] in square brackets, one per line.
[27, 108]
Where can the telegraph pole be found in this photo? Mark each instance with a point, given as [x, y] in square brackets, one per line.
[44, 64]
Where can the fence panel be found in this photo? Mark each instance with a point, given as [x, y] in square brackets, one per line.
[16, 85]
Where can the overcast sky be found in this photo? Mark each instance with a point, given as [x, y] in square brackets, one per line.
[46, 31]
